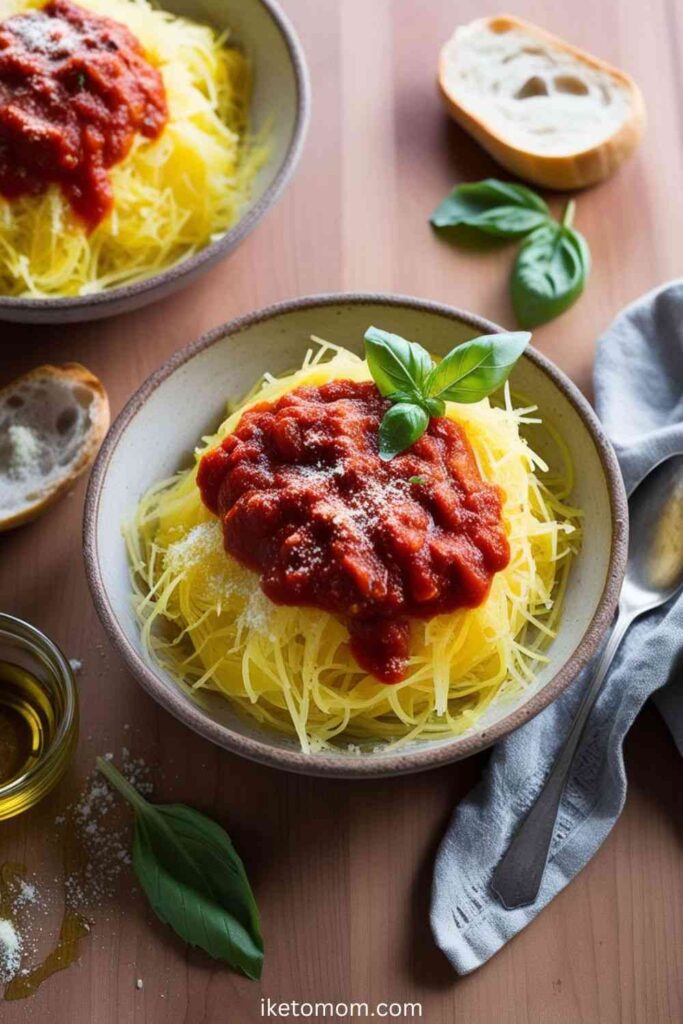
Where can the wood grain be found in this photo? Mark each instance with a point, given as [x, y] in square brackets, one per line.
[342, 871]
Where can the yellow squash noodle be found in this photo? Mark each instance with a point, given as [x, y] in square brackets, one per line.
[204, 618]
[172, 195]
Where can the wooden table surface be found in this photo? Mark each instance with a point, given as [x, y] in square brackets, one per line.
[342, 871]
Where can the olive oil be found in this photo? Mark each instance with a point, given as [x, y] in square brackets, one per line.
[38, 715]
[73, 928]
[28, 721]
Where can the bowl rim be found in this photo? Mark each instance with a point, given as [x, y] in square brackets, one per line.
[233, 236]
[341, 765]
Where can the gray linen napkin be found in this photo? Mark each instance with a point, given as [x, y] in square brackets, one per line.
[639, 397]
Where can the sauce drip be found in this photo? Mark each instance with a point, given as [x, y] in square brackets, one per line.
[75, 88]
[306, 501]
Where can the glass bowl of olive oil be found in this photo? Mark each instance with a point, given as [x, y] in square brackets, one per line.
[38, 715]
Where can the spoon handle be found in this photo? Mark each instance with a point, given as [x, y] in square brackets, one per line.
[519, 874]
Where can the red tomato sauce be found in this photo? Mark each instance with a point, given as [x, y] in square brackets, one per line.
[75, 87]
[306, 502]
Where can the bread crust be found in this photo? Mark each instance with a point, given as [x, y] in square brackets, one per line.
[73, 373]
[567, 172]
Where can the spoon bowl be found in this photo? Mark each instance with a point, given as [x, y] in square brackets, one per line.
[654, 571]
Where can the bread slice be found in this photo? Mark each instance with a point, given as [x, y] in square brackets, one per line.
[548, 112]
[52, 421]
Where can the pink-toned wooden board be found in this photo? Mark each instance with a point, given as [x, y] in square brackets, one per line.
[342, 871]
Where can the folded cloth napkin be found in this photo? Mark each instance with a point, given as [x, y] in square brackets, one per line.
[639, 397]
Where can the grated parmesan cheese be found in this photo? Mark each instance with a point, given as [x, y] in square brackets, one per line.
[10, 950]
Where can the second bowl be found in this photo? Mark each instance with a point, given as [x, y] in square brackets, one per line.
[278, 111]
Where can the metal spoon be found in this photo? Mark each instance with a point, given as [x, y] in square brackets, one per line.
[654, 573]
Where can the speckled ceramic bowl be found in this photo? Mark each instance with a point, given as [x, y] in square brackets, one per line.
[280, 103]
[224, 364]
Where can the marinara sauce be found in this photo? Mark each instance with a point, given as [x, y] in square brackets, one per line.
[306, 501]
[75, 87]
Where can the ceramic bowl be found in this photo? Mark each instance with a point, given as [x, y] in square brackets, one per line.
[223, 365]
[280, 104]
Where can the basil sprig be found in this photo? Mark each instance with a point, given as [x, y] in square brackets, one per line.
[495, 207]
[419, 388]
[193, 878]
[550, 271]
[552, 266]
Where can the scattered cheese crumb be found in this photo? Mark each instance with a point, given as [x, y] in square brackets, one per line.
[76, 665]
[104, 834]
[139, 983]
[27, 894]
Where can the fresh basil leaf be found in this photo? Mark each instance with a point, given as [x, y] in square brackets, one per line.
[193, 878]
[550, 272]
[434, 406]
[495, 207]
[475, 369]
[401, 426]
[417, 480]
[396, 364]
[468, 373]
[186, 895]
[413, 397]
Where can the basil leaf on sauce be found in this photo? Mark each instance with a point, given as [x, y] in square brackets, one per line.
[550, 272]
[475, 369]
[434, 406]
[193, 878]
[468, 373]
[493, 207]
[396, 365]
[401, 426]
[412, 397]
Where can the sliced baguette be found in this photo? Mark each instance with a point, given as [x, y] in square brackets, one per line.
[545, 110]
[52, 421]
